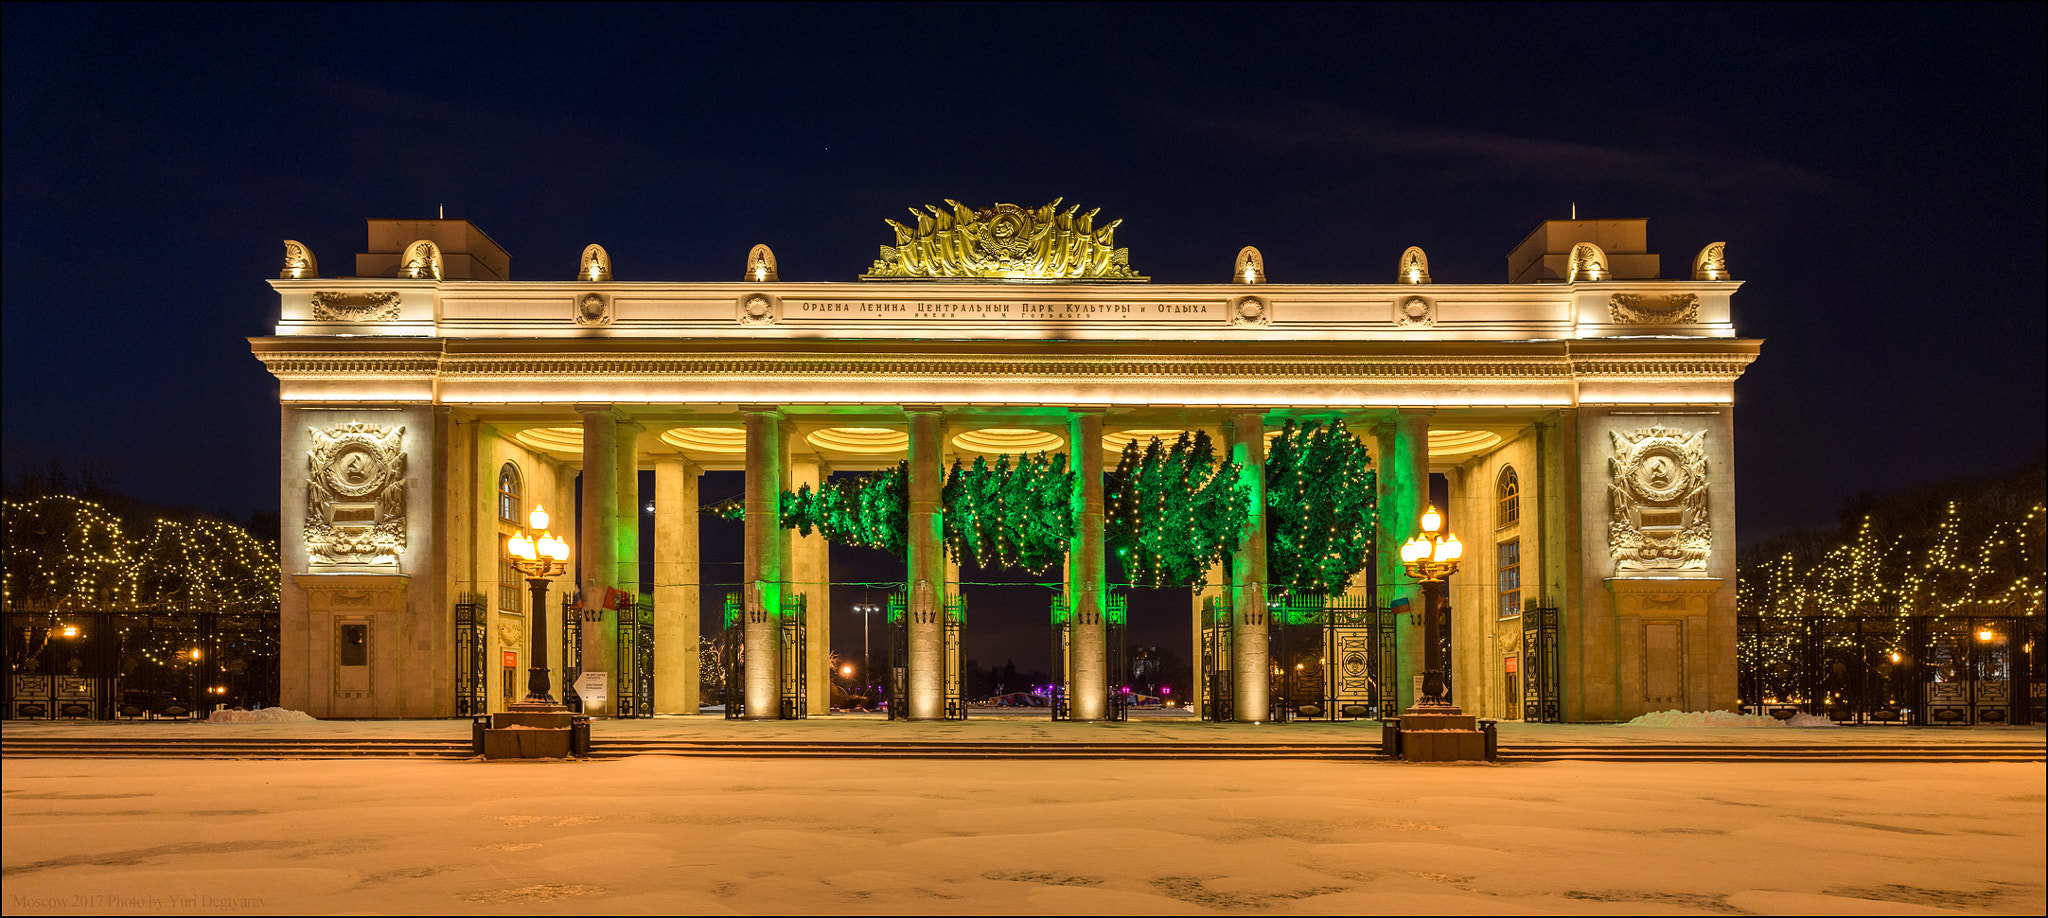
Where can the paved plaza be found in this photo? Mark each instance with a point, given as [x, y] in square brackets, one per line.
[659, 833]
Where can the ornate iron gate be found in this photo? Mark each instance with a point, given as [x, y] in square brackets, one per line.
[795, 657]
[572, 652]
[899, 657]
[1116, 619]
[471, 687]
[956, 621]
[635, 688]
[1893, 669]
[108, 663]
[1327, 658]
[1217, 637]
[1541, 700]
[732, 661]
[1062, 646]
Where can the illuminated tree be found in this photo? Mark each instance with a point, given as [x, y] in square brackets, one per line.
[1174, 511]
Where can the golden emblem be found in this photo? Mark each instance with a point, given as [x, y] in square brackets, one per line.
[1004, 242]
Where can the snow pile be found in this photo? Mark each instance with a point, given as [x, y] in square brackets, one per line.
[260, 716]
[1803, 719]
[1704, 719]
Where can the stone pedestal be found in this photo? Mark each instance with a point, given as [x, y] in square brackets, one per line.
[528, 731]
[1441, 734]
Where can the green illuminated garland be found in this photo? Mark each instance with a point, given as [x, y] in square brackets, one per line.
[1009, 516]
[1173, 512]
[1322, 503]
[872, 511]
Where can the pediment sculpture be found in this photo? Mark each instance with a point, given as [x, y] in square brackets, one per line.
[1004, 242]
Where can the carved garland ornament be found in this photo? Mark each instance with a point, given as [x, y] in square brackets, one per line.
[1250, 312]
[1004, 241]
[593, 309]
[1644, 309]
[1414, 312]
[1659, 494]
[355, 495]
[355, 307]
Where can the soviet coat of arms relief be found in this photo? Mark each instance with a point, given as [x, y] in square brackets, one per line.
[355, 495]
[1659, 492]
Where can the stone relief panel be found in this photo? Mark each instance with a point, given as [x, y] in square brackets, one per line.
[380, 306]
[1644, 309]
[355, 495]
[1659, 494]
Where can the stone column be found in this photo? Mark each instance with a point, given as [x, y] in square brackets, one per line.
[629, 506]
[1404, 490]
[1251, 677]
[763, 571]
[599, 538]
[676, 593]
[811, 574]
[1087, 576]
[926, 573]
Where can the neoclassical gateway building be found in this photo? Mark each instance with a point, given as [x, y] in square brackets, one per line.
[1580, 414]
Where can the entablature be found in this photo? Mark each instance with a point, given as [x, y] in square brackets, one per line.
[406, 307]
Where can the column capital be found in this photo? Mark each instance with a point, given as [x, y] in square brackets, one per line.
[771, 410]
[587, 410]
[924, 409]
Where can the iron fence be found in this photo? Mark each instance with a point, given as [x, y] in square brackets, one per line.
[1894, 669]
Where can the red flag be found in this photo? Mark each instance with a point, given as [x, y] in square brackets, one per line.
[616, 599]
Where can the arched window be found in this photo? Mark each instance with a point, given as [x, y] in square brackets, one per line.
[508, 494]
[1509, 493]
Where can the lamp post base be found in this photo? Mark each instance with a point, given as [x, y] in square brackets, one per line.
[1441, 733]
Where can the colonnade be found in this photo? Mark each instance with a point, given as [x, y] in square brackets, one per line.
[609, 552]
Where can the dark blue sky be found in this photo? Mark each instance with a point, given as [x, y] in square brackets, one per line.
[1876, 171]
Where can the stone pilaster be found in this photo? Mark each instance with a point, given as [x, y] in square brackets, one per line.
[1251, 680]
[764, 565]
[926, 574]
[676, 591]
[599, 537]
[1088, 674]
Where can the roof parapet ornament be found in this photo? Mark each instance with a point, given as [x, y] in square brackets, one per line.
[1587, 263]
[1414, 266]
[596, 264]
[1004, 242]
[761, 265]
[299, 261]
[422, 261]
[1712, 263]
[1251, 267]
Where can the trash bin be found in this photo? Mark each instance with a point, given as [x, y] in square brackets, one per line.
[1390, 737]
[478, 723]
[1490, 729]
[579, 736]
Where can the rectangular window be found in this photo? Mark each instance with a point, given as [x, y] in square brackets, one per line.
[1511, 578]
[510, 581]
[355, 645]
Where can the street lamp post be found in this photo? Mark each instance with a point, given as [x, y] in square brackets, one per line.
[539, 558]
[1431, 556]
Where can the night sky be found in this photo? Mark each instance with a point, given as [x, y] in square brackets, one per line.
[1877, 173]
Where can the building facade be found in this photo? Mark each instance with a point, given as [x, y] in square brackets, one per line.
[1580, 414]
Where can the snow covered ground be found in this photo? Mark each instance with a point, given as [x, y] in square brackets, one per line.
[666, 834]
[873, 728]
